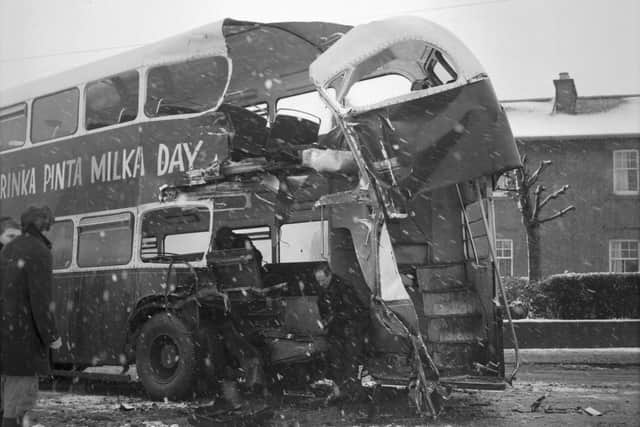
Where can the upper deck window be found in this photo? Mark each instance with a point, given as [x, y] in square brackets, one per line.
[309, 103]
[112, 100]
[377, 89]
[55, 116]
[13, 127]
[186, 87]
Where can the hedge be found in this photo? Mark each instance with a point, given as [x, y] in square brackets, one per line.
[579, 296]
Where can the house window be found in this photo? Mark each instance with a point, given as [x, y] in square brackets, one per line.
[504, 256]
[625, 172]
[624, 256]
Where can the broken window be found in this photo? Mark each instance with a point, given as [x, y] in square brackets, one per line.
[304, 241]
[187, 87]
[308, 104]
[261, 239]
[371, 91]
[176, 230]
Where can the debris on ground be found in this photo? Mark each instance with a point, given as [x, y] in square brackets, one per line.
[593, 412]
[535, 405]
[223, 414]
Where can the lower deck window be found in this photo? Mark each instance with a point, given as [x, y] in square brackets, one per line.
[61, 237]
[261, 239]
[304, 241]
[105, 240]
[175, 230]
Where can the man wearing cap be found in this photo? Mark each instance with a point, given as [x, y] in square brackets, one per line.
[28, 325]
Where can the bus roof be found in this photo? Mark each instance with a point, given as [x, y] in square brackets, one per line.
[244, 42]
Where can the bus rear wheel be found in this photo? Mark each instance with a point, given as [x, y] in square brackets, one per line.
[166, 358]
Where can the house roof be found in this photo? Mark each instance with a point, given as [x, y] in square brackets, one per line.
[594, 117]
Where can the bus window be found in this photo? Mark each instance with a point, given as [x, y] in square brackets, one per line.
[105, 240]
[309, 103]
[13, 127]
[261, 238]
[302, 242]
[61, 237]
[111, 101]
[187, 87]
[370, 91]
[175, 230]
[261, 109]
[55, 116]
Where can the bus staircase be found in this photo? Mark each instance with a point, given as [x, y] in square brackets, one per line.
[462, 328]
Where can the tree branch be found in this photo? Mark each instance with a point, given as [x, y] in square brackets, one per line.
[553, 195]
[536, 174]
[557, 214]
[536, 203]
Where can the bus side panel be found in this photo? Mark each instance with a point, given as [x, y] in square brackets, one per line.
[174, 146]
[66, 295]
[110, 169]
[97, 325]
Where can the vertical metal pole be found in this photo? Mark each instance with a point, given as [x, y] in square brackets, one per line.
[499, 279]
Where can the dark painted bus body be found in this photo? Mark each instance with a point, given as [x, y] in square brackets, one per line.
[385, 171]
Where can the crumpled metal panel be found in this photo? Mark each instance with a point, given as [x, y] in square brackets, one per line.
[440, 140]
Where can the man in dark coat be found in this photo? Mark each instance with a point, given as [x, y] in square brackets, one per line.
[346, 318]
[28, 326]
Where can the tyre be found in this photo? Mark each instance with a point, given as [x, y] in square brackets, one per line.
[166, 358]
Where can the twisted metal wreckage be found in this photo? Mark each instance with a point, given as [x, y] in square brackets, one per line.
[400, 186]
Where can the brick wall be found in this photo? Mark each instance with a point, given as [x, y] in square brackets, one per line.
[579, 241]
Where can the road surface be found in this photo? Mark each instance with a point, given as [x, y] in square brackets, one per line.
[568, 390]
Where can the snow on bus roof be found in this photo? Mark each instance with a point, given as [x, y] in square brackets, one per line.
[206, 40]
[595, 116]
[282, 48]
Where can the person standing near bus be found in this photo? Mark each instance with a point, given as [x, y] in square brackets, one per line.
[28, 326]
[9, 230]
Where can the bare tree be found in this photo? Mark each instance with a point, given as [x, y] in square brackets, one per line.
[529, 196]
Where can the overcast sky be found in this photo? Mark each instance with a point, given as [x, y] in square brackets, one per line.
[523, 44]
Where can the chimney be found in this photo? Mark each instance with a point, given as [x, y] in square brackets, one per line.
[566, 94]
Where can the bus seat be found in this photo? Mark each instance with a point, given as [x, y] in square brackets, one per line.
[157, 111]
[126, 115]
[235, 268]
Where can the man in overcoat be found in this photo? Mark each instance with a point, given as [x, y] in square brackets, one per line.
[28, 326]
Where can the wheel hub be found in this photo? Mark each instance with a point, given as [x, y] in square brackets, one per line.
[168, 355]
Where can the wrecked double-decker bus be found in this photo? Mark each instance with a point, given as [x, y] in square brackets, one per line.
[371, 148]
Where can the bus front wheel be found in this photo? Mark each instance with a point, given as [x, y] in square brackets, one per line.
[166, 358]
